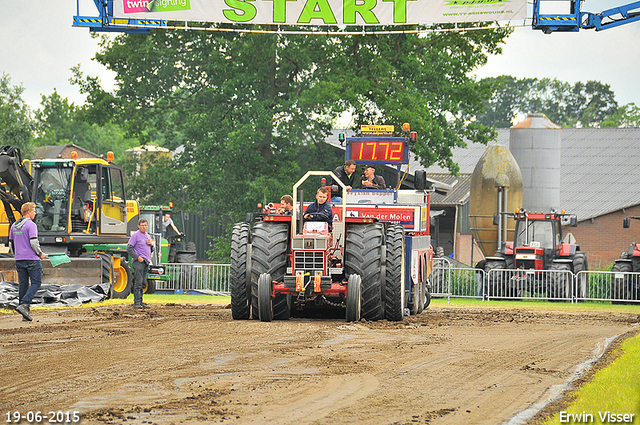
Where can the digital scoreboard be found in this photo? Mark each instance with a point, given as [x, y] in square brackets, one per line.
[378, 150]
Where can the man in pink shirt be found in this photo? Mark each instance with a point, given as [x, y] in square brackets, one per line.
[139, 249]
[23, 239]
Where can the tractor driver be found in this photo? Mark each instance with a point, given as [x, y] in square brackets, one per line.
[320, 210]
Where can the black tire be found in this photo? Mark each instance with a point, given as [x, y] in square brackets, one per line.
[580, 265]
[282, 307]
[495, 285]
[623, 289]
[240, 290]
[270, 244]
[354, 298]
[363, 256]
[150, 288]
[122, 278]
[427, 297]
[394, 277]
[560, 284]
[265, 302]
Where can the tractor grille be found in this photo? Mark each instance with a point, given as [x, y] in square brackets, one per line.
[526, 264]
[309, 260]
[309, 243]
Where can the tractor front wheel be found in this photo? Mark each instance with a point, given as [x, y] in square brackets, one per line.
[561, 282]
[123, 282]
[354, 300]
[265, 303]
[623, 288]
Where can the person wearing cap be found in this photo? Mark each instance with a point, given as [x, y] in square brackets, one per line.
[369, 180]
[346, 174]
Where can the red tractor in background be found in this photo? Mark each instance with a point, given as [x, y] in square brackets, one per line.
[625, 285]
[538, 247]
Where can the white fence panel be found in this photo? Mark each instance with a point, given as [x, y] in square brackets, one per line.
[617, 287]
[556, 285]
[193, 276]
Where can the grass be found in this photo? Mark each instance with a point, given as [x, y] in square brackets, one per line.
[614, 389]
[536, 305]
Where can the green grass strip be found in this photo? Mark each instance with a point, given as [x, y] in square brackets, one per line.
[612, 393]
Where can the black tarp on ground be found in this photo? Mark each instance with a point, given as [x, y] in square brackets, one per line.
[55, 295]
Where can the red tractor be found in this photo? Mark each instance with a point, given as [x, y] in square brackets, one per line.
[625, 284]
[538, 259]
[357, 268]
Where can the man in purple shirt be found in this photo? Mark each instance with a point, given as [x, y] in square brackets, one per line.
[23, 239]
[139, 249]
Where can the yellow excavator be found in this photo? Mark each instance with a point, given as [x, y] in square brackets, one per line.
[81, 211]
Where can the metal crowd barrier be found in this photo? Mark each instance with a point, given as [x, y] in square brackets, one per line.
[617, 287]
[195, 276]
[447, 281]
[552, 285]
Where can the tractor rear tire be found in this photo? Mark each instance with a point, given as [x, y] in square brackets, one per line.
[363, 256]
[354, 298]
[265, 302]
[240, 290]
[269, 255]
[626, 288]
[394, 277]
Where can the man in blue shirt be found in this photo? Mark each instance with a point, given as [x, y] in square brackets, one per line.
[139, 249]
[23, 239]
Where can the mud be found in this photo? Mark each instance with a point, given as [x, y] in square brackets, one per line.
[193, 364]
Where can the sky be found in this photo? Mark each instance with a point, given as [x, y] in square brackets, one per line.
[38, 46]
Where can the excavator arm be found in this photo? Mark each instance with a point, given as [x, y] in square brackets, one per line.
[16, 181]
[566, 16]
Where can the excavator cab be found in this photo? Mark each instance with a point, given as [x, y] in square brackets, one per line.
[79, 201]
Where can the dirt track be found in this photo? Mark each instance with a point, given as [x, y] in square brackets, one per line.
[193, 364]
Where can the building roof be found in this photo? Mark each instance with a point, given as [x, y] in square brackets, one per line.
[599, 174]
[48, 152]
[458, 195]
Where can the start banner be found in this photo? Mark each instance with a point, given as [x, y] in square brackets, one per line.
[323, 12]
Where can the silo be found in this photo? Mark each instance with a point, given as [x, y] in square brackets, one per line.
[496, 186]
[536, 145]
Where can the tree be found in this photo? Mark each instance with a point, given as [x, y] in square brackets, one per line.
[61, 122]
[582, 105]
[626, 116]
[16, 125]
[507, 101]
[242, 107]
